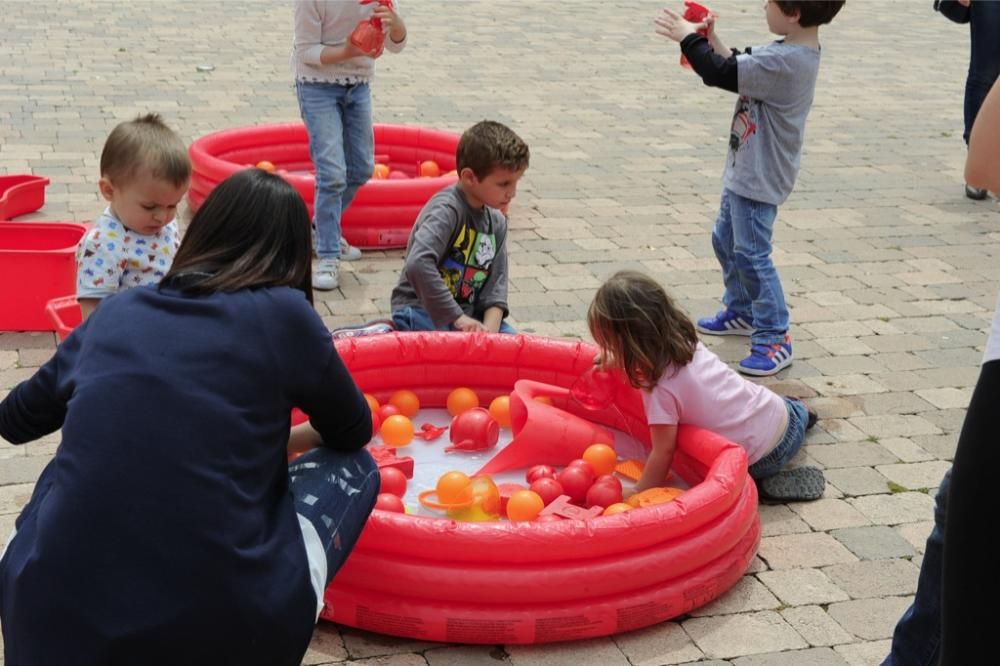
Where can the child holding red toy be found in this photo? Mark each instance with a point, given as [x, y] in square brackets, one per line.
[775, 84]
[332, 80]
[644, 334]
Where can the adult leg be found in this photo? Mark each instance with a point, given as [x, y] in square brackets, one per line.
[334, 493]
[984, 58]
[917, 638]
[970, 545]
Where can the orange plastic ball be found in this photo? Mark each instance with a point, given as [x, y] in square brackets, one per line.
[619, 507]
[397, 430]
[544, 398]
[500, 410]
[429, 169]
[372, 402]
[524, 505]
[264, 165]
[454, 488]
[381, 172]
[602, 458]
[406, 402]
[462, 400]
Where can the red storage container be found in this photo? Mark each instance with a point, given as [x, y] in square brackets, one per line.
[65, 315]
[20, 195]
[37, 264]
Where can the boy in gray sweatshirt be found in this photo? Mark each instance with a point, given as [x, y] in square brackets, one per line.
[455, 274]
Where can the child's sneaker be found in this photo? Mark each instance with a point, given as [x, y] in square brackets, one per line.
[371, 328]
[348, 252]
[797, 484]
[766, 360]
[326, 276]
[726, 322]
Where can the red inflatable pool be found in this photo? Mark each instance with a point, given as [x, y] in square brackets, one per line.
[504, 582]
[383, 211]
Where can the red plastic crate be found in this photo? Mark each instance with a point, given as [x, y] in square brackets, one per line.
[37, 264]
[20, 195]
[65, 315]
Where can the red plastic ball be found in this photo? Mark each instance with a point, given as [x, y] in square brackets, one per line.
[540, 472]
[576, 481]
[393, 481]
[582, 464]
[609, 479]
[387, 410]
[389, 502]
[603, 495]
[547, 488]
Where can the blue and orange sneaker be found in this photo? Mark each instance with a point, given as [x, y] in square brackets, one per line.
[726, 322]
[766, 360]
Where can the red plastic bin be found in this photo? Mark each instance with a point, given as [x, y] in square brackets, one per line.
[65, 315]
[20, 195]
[37, 264]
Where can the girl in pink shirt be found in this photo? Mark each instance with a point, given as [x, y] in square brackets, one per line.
[643, 333]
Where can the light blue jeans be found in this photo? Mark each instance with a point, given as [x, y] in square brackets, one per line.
[342, 145]
[742, 243]
[791, 442]
[413, 318]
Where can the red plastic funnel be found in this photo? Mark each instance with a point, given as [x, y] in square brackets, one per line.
[543, 434]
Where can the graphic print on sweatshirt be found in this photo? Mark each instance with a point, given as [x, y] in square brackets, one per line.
[744, 124]
[466, 267]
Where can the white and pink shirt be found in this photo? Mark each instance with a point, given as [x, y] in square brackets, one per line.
[709, 394]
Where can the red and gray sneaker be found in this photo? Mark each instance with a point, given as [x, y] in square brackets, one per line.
[726, 322]
[766, 360]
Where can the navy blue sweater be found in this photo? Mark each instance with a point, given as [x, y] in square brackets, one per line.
[163, 531]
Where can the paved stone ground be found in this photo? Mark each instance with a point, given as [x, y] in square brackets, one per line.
[887, 268]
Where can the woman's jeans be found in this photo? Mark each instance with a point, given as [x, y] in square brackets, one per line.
[742, 243]
[984, 61]
[334, 492]
[917, 638]
[338, 119]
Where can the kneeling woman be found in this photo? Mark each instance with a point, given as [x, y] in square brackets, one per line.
[169, 528]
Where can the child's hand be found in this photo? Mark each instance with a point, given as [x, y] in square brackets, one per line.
[469, 325]
[392, 23]
[672, 25]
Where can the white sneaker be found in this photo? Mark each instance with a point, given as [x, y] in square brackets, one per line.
[326, 275]
[348, 252]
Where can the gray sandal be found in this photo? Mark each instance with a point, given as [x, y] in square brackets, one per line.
[797, 484]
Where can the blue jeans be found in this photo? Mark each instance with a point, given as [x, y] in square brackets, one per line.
[917, 638]
[742, 243]
[984, 60]
[335, 492]
[342, 146]
[791, 442]
[413, 318]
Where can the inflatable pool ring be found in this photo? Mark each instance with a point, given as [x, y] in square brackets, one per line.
[383, 211]
[532, 582]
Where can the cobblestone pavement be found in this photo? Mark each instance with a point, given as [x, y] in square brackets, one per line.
[889, 270]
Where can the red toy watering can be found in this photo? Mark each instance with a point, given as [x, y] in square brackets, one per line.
[543, 434]
[368, 35]
[474, 430]
[695, 13]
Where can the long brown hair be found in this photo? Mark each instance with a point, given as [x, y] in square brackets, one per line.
[634, 320]
[251, 231]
